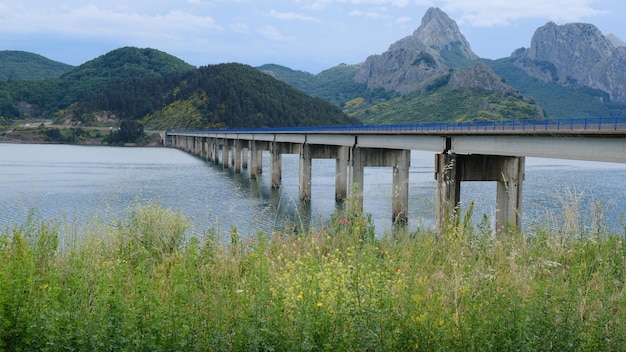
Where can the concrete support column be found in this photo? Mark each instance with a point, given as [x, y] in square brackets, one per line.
[341, 173]
[276, 165]
[205, 142]
[305, 173]
[448, 189]
[254, 159]
[259, 161]
[356, 179]
[245, 149]
[400, 198]
[237, 155]
[216, 151]
[509, 194]
[225, 147]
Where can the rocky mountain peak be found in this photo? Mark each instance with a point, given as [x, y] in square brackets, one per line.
[615, 40]
[438, 31]
[417, 60]
[576, 54]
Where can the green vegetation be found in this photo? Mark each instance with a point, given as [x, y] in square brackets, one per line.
[436, 103]
[446, 104]
[141, 284]
[20, 65]
[335, 85]
[236, 95]
[556, 99]
[151, 88]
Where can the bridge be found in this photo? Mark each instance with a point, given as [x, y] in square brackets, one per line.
[472, 151]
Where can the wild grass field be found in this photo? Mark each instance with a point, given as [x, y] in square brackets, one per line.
[140, 284]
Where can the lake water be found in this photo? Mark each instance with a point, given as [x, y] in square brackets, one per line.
[78, 183]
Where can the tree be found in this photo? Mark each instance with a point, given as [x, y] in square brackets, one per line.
[130, 131]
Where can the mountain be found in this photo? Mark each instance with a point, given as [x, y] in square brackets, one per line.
[431, 75]
[21, 65]
[417, 61]
[122, 63]
[569, 71]
[576, 55]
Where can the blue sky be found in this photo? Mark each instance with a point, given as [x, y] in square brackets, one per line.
[308, 35]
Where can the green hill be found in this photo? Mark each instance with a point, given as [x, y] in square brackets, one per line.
[22, 65]
[225, 95]
[161, 91]
[122, 63]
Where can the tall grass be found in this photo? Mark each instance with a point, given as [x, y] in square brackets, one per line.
[140, 284]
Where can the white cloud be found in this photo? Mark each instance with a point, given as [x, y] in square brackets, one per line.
[291, 16]
[404, 19]
[489, 13]
[272, 33]
[368, 14]
[91, 20]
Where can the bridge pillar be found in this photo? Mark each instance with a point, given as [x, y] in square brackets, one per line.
[276, 165]
[225, 147]
[341, 173]
[237, 155]
[205, 145]
[400, 160]
[216, 150]
[507, 171]
[305, 173]
[245, 148]
[256, 157]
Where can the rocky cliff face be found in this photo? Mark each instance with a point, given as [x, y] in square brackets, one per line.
[479, 76]
[416, 61]
[576, 54]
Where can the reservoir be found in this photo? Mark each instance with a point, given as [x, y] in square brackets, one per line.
[76, 184]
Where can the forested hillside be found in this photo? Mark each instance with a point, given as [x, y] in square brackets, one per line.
[225, 95]
[19, 65]
[150, 87]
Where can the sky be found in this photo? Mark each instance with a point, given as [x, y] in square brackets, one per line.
[307, 35]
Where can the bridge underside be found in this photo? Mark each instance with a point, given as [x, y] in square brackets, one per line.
[451, 170]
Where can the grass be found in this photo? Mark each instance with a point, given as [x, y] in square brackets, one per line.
[141, 284]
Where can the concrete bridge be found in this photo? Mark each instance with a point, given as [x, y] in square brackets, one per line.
[479, 151]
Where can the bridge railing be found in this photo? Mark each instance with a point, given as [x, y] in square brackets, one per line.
[587, 124]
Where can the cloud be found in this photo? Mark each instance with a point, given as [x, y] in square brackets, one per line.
[291, 16]
[272, 33]
[92, 20]
[404, 19]
[369, 14]
[489, 13]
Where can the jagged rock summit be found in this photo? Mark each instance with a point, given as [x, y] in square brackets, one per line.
[576, 54]
[418, 60]
[441, 33]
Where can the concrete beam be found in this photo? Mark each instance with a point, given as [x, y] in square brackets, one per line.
[415, 142]
[575, 148]
[331, 139]
[290, 138]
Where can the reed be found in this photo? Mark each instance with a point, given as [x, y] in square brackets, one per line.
[140, 284]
